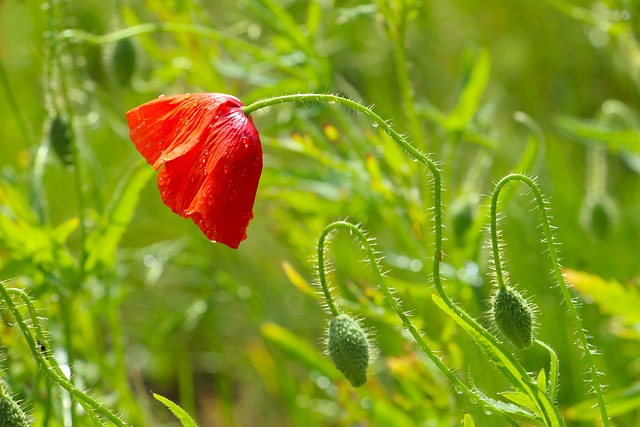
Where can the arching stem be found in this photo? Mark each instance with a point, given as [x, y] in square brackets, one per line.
[559, 278]
[395, 305]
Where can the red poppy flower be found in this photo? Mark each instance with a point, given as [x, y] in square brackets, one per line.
[210, 159]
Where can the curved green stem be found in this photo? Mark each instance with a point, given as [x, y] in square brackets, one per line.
[523, 380]
[49, 365]
[402, 141]
[559, 278]
[321, 272]
[395, 305]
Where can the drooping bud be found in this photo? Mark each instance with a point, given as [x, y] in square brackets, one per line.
[60, 140]
[462, 214]
[124, 61]
[349, 348]
[11, 414]
[513, 316]
[598, 215]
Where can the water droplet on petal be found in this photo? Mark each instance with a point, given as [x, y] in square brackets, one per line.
[225, 169]
[187, 95]
[161, 95]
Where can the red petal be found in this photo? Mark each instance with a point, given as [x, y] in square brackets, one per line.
[211, 174]
[170, 126]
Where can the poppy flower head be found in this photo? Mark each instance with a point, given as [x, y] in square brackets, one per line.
[209, 157]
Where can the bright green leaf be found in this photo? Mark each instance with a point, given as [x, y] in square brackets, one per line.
[298, 349]
[471, 93]
[180, 413]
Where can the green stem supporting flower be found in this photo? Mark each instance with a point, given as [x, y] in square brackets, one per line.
[47, 364]
[517, 374]
[395, 304]
[402, 141]
[557, 272]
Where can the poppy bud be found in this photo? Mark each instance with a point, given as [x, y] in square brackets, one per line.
[349, 348]
[598, 215]
[513, 316]
[11, 414]
[461, 218]
[124, 61]
[60, 140]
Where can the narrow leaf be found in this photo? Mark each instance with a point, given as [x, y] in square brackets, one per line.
[180, 413]
[618, 401]
[471, 93]
[468, 421]
[298, 349]
[612, 297]
[102, 244]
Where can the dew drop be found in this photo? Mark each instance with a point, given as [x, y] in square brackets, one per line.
[225, 169]
[161, 95]
[376, 124]
[187, 95]
[487, 410]
[458, 390]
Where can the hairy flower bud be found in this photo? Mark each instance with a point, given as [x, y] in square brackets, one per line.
[60, 140]
[349, 348]
[11, 414]
[124, 61]
[513, 316]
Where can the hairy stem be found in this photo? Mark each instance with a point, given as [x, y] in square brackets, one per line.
[559, 278]
[49, 365]
[395, 305]
[547, 410]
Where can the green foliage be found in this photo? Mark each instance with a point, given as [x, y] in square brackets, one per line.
[180, 413]
[136, 299]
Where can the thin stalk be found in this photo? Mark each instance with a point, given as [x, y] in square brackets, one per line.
[559, 278]
[395, 305]
[321, 273]
[401, 140]
[406, 91]
[49, 366]
[546, 408]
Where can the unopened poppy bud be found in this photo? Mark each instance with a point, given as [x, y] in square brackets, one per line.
[349, 348]
[513, 316]
[124, 61]
[11, 414]
[598, 215]
[60, 140]
[461, 218]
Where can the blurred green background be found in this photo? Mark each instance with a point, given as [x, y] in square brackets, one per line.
[138, 300]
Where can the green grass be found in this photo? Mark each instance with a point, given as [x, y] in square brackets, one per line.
[136, 301]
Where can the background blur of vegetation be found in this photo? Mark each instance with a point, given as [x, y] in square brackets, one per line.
[235, 337]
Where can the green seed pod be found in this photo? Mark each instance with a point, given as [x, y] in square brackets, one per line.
[598, 215]
[60, 140]
[461, 219]
[349, 349]
[11, 414]
[124, 61]
[513, 316]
